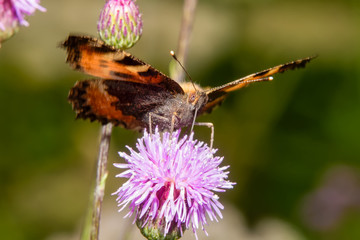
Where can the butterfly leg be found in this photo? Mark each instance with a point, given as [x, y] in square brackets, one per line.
[172, 123]
[211, 126]
[156, 116]
[150, 123]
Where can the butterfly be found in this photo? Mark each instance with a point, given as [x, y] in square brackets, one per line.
[130, 93]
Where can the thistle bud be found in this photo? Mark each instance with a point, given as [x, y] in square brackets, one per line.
[120, 23]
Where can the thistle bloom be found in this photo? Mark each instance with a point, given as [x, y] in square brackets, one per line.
[12, 14]
[120, 23]
[171, 184]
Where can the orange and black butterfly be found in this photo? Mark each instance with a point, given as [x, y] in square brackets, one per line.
[131, 93]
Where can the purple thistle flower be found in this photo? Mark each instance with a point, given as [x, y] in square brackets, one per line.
[120, 23]
[12, 14]
[171, 184]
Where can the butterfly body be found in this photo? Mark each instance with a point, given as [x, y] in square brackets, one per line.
[131, 93]
[175, 113]
[148, 103]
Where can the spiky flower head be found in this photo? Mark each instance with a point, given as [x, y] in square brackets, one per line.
[171, 184]
[12, 15]
[120, 23]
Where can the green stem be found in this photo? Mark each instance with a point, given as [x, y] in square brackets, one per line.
[184, 38]
[92, 226]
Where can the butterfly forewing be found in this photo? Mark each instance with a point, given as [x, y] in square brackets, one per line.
[93, 57]
[217, 94]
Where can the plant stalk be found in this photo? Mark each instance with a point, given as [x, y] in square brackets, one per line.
[92, 225]
[187, 24]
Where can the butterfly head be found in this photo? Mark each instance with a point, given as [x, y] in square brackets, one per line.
[197, 99]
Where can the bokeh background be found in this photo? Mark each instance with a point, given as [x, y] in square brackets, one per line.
[293, 144]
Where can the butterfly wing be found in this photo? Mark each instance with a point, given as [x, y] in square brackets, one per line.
[217, 95]
[127, 88]
[123, 103]
[93, 57]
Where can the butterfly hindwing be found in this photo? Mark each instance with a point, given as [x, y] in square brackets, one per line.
[120, 102]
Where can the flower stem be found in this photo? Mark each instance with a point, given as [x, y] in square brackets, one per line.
[184, 37]
[101, 175]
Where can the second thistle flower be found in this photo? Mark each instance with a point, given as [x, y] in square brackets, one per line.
[120, 23]
[13, 13]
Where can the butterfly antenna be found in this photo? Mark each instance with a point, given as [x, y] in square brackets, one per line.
[172, 53]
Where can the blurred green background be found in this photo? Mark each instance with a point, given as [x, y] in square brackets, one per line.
[293, 144]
